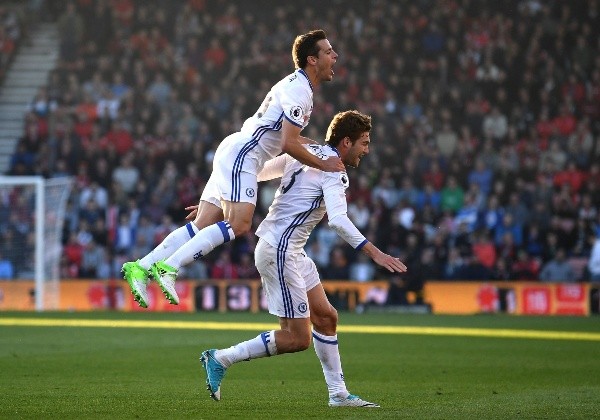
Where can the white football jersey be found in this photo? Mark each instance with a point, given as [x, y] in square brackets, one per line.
[290, 98]
[303, 197]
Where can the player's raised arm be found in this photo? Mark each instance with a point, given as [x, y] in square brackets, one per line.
[292, 145]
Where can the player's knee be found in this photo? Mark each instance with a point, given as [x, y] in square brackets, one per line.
[301, 342]
[240, 227]
[326, 322]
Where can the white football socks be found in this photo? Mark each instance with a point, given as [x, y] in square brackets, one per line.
[170, 244]
[201, 244]
[326, 347]
[261, 346]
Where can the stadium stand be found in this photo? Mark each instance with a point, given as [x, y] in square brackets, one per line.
[485, 154]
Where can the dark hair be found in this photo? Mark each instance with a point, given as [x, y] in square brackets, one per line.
[306, 45]
[351, 124]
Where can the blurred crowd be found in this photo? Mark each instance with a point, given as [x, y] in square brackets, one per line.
[485, 162]
[11, 35]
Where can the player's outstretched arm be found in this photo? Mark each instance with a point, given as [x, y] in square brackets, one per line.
[292, 145]
[344, 227]
[392, 264]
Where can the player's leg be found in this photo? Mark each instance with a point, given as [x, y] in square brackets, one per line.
[324, 319]
[235, 192]
[286, 297]
[293, 336]
[231, 187]
[137, 272]
[165, 271]
[203, 242]
[207, 214]
[237, 221]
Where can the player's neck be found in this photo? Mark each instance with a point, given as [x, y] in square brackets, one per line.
[311, 74]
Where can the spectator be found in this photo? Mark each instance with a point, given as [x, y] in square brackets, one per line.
[484, 249]
[434, 176]
[517, 209]
[73, 252]
[385, 191]
[482, 176]
[359, 213]
[446, 140]
[509, 225]
[525, 267]
[126, 174]
[495, 124]
[454, 265]
[558, 269]
[362, 270]
[92, 259]
[224, 268]
[125, 235]
[468, 213]
[502, 271]
[246, 268]
[22, 162]
[7, 269]
[70, 31]
[424, 268]
[91, 212]
[338, 268]
[475, 270]
[452, 196]
[429, 197]
[94, 192]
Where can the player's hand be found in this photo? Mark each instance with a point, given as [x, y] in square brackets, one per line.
[333, 164]
[392, 264]
[193, 211]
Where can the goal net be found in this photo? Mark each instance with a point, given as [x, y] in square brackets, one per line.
[32, 214]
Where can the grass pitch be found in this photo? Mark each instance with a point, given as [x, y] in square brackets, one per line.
[145, 365]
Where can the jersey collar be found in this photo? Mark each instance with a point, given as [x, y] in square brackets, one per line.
[334, 149]
[303, 73]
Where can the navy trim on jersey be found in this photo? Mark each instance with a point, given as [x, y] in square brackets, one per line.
[293, 122]
[363, 243]
[322, 340]
[300, 218]
[333, 148]
[303, 73]
[239, 160]
[190, 229]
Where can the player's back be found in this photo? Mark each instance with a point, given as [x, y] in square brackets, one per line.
[290, 98]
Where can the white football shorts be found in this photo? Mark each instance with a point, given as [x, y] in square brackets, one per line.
[236, 164]
[286, 279]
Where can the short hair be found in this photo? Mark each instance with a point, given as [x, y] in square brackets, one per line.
[306, 45]
[351, 124]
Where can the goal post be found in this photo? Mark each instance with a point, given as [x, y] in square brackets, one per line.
[38, 207]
